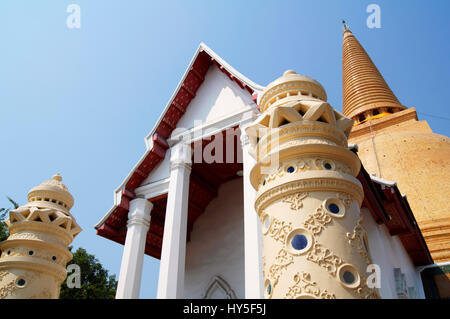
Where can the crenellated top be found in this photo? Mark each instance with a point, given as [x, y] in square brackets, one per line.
[281, 108]
[48, 204]
[51, 194]
[290, 86]
[299, 124]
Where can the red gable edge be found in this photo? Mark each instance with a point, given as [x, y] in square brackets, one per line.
[114, 226]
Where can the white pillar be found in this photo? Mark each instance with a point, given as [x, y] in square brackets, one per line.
[254, 283]
[133, 253]
[173, 254]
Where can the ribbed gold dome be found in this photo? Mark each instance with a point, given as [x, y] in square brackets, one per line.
[290, 84]
[52, 194]
[365, 92]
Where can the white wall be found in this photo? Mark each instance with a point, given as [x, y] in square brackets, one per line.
[216, 247]
[388, 252]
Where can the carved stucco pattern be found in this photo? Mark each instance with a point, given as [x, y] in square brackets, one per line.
[3, 274]
[356, 240]
[11, 286]
[279, 230]
[274, 193]
[305, 286]
[282, 261]
[346, 199]
[8, 289]
[324, 257]
[316, 221]
[295, 200]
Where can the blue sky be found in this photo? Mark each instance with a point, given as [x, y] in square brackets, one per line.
[80, 101]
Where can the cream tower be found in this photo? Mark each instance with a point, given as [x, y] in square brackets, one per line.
[34, 257]
[308, 199]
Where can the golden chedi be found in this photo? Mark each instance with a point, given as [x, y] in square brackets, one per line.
[34, 257]
[308, 199]
[395, 146]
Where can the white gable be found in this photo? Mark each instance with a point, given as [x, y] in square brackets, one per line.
[217, 98]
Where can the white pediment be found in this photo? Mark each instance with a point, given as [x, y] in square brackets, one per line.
[217, 98]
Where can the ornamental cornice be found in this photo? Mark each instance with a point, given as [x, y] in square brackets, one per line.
[306, 131]
[308, 185]
[290, 86]
[37, 227]
[36, 236]
[307, 164]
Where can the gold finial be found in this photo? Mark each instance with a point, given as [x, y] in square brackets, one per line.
[57, 177]
[346, 27]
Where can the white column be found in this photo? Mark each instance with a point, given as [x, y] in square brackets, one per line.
[173, 254]
[133, 253]
[254, 283]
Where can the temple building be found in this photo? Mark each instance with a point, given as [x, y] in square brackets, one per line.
[246, 191]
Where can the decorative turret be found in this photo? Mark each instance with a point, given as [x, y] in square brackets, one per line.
[308, 199]
[365, 92]
[34, 257]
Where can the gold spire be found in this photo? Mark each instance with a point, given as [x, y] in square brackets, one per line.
[365, 92]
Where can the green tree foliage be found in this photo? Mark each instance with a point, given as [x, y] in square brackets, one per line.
[3, 215]
[96, 283]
